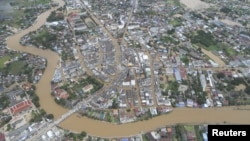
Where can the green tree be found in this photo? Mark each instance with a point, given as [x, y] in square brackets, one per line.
[50, 116]
[220, 75]
[42, 112]
[247, 90]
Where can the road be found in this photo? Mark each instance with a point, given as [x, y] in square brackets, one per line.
[44, 130]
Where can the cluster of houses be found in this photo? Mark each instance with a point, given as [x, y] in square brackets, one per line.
[170, 133]
[35, 63]
[123, 115]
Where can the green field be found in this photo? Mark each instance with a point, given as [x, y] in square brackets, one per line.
[3, 60]
[189, 128]
[16, 67]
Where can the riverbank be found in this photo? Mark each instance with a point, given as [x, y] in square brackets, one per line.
[229, 115]
[103, 129]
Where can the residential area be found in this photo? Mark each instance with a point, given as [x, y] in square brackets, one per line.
[127, 61]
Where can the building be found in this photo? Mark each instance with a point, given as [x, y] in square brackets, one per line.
[204, 135]
[177, 75]
[61, 94]
[203, 82]
[2, 137]
[87, 88]
[190, 103]
[20, 107]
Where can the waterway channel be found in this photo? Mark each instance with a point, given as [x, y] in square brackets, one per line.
[103, 129]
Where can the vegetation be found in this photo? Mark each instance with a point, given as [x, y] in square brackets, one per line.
[115, 104]
[3, 60]
[26, 13]
[50, 116]
[55, 17]
[75, 90]
[76, 136]
[237, 81]
[169, 39]
[247, 90]
[176, 22]
[225, 10]
[185, 60]
[145, 138]
[36, 117]
[34, 98]
[39, 115]
[44, 38]
[15, 68]
[4, 101]
[5, 119]
[173, 86]
[203, 38]
[179, 129]
[198, 133]
[220, 75]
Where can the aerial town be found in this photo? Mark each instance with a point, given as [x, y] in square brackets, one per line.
[122, 70]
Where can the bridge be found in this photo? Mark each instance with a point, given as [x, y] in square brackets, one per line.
[43, 131]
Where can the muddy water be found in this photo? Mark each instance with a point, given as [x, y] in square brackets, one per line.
[99, 128]
[43, 86]
[180, 115]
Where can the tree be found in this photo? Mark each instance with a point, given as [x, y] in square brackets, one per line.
[8, 127]
[237, 81]
[220, 75]
[114, 104]
[247, 90]
[42, 112]
[33, 87]
[83, 134]
[50, 116]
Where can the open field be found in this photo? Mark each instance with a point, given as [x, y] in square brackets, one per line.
[3, 61]
[230, 22]
[195, 4]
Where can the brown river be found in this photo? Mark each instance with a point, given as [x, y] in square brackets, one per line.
[103, 129]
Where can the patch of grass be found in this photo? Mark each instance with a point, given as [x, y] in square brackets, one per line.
[198, 133]
[145, 138]
[3, 60]
[189, 128]
[176, 22]
[16, 67]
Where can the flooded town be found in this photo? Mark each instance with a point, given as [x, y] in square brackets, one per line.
[123, 70]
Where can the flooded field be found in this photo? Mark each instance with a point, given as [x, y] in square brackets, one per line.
[99, 128]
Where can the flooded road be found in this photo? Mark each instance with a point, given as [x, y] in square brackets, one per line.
[103, 129]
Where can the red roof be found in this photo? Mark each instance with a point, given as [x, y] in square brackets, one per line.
[2, 137]
[21, 106]
[61, 93]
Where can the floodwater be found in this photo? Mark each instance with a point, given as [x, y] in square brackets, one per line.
[103, 129]
[179, 115]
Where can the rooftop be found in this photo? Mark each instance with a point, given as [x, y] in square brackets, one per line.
[19, 107]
